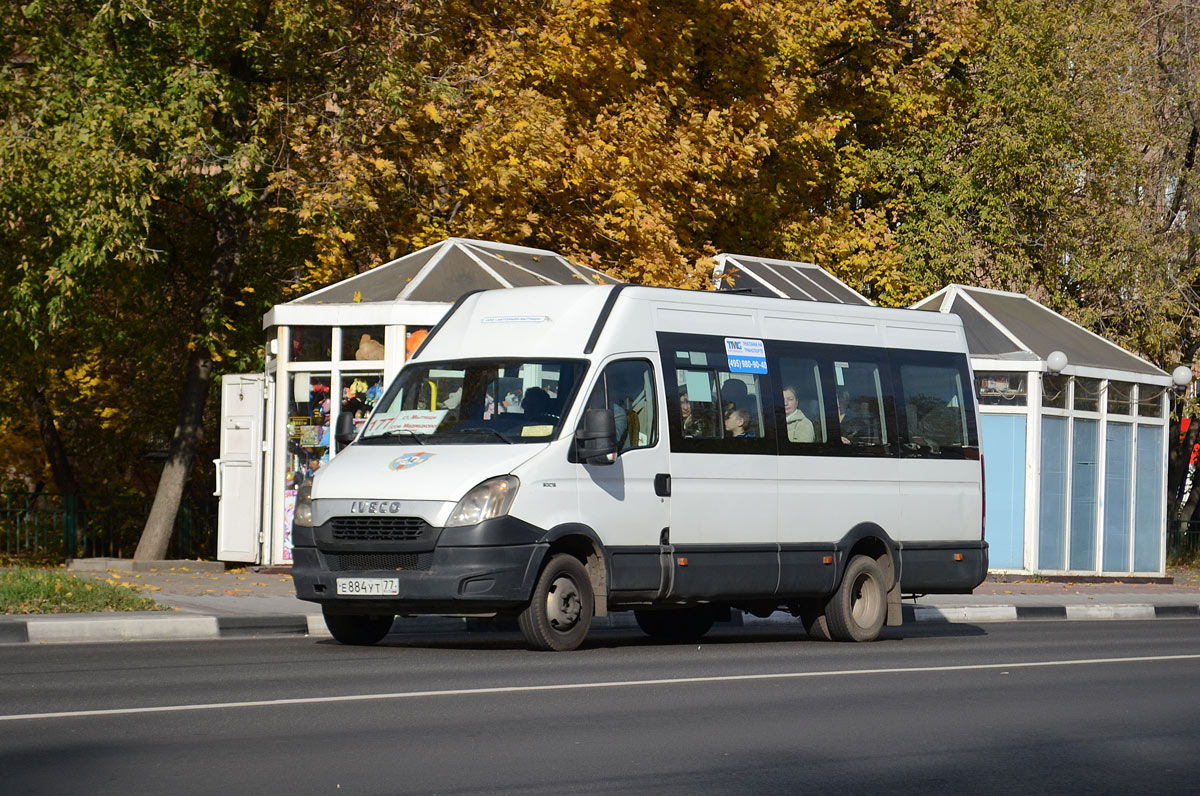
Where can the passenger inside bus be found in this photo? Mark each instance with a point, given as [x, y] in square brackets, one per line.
[734, 394]
[799, 427]
[737, 422]
[695, 423]
[860, 424]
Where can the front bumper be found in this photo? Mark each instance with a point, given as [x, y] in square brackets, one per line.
[488, 568]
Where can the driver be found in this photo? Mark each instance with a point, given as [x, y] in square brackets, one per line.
[536, 402]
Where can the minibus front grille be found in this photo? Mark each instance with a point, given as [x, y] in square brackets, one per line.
[378, 529]
[356, 562]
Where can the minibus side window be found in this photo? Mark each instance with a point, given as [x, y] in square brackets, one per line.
[859, 390]
[803, 402]
[627, 388]
[935, 406]
[699, 410]
[718, 403]
[741, 401]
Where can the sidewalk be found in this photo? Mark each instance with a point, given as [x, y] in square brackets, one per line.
[208, 602]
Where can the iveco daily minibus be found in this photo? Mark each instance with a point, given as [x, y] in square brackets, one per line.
[553, 454]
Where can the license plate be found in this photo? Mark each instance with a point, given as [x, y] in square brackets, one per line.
[368, 587]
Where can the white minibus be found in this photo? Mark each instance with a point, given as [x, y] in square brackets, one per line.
[554, 454]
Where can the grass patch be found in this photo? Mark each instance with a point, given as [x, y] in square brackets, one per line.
[1186, 560]
[47, 591]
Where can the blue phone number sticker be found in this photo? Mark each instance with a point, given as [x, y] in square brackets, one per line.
[745, 355]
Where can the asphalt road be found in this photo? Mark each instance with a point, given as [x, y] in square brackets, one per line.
[1061, 707]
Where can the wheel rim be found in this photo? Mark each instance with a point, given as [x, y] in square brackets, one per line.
[864, 600]
[563, 604]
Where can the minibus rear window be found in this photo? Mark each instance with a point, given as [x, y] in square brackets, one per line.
[500, 402]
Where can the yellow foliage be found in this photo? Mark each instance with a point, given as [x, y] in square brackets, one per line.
[638, 137]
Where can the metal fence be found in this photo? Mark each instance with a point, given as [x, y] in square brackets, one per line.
[1183, 543]
[98, 526]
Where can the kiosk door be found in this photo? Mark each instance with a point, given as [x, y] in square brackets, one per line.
[240, 468]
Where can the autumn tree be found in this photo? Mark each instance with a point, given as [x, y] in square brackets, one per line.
[138, 146]
[639, 136]
[168, 170]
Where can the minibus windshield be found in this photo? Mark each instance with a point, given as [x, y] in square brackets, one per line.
[477, 402]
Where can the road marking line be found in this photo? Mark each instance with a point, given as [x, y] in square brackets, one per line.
[518, 689]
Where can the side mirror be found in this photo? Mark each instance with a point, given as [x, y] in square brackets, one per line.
[345, 432]
[596, 437]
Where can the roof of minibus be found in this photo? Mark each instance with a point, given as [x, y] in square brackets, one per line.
[558, 322]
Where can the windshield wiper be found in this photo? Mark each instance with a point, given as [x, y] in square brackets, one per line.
[490, 431]
[396, 431]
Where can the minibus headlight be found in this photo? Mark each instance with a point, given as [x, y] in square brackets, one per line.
[303, 513]
[492, 498]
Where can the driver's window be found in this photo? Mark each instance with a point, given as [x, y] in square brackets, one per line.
[627, 388]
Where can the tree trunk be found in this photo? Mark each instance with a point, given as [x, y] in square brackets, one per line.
[189, 427]
[189, 433]
[63, 472]
[56, 453]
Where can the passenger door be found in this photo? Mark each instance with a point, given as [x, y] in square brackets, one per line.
[842, 472]
[723, 470]
[619, 501]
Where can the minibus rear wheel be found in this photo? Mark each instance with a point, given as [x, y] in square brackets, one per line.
[679, 624]
[560, 612]
[358, 629]
[812, 615]
[858, 609]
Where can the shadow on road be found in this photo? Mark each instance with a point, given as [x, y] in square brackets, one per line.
[604, 638]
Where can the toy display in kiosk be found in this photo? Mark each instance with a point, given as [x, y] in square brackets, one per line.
[413, 339]
[308, 428]
[307, 441]
[360, 393]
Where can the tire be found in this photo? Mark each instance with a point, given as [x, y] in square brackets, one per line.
[358, 629]
[682, 624]
[812, 615]
[560, 612]
[858, 609]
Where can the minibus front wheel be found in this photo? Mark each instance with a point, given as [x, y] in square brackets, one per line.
[358, 629]
[560, 612]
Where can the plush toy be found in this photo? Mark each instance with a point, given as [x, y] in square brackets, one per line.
[368, 348]
[413, 341]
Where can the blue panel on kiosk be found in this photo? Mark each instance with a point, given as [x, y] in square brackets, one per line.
[1003, 440]
[1149, 498]
[1052, 512]
[1118, 483]
[1085, 485]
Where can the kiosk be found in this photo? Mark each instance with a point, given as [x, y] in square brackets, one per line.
[1074, 439]
[335, 350]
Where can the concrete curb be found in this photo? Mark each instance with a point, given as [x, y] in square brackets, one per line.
[1074, 613]
[94, 628]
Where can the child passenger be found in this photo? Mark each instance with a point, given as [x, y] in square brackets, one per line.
[736, 422]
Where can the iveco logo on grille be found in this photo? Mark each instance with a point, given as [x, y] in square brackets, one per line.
[375, 507]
